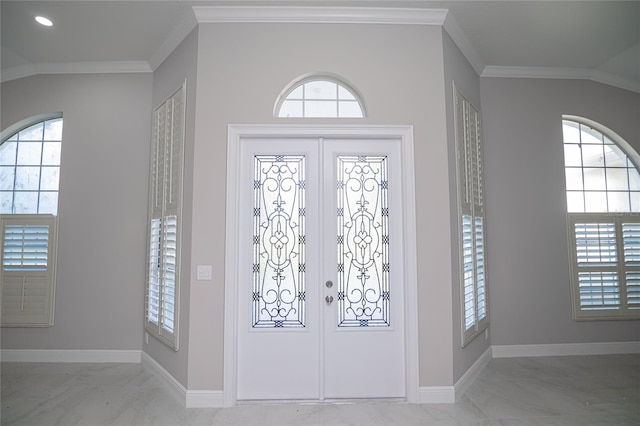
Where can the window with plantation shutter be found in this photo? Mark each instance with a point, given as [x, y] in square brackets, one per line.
[471, 223]
[30, 154]
[165, 195]
[28, 269]
[603, 203]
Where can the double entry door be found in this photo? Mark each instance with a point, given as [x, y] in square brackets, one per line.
[320, 293]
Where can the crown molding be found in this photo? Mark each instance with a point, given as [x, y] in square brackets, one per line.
[321, 15]
[184, 28]
[115, 67]
[562, 73]
[460, 39]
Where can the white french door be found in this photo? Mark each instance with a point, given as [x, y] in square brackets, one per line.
[320, 274]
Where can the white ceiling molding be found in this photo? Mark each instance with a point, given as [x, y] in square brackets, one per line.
[616, 81]
[15, 73]
[320, 15]
[75, 68]
[561, 73]
[460, 39]
[176, 37]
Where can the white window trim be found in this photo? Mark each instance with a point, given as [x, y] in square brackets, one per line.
[470, 205]
[165, 202]
[26, 280]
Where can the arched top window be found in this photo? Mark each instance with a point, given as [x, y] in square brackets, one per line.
[30, 166]
[601, 176]
[319, 95]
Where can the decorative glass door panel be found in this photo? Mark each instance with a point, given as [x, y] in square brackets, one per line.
[279, 241]
[363, 241]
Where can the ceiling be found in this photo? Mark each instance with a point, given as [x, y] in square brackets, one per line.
[597, 40]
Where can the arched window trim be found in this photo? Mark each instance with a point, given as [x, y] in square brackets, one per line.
[321, 76]
[26, 123]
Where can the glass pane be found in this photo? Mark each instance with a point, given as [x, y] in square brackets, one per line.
[291, 109]
[590, 136]
[572, 155]
[296, 93]
[29, 153]
[8, 153]
[7, 175]
[27, 178]
[634, 180]
[575, 202]
[278, 298]
[48, 203]
[49, 178]
[51, 153]
[33, 133]
[6, 202]
[617, 179]
[53, 130]
[592, 156]
[349, 109]
[619, 201]
[614, 157]
[320, 109]
[635, 201]
[363, 241]
[594, 179]
[344, 94]
[574, 179]
[320, 90]
[570, 132]
[595, 202]
[25, 202]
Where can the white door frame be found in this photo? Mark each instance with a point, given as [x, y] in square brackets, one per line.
[238, 132]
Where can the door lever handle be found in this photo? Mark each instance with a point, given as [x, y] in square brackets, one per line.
[328, 299]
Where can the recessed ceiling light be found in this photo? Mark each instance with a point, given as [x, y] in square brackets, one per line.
[44, 21]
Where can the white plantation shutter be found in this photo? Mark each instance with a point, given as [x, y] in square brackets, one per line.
[28, 269]
[606, 267]
[471, 207]
[166, 169]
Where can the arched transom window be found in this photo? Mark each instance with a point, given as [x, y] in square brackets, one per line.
[319, 96]
[30, 169]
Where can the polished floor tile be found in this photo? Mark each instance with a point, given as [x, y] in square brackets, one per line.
[584, 390]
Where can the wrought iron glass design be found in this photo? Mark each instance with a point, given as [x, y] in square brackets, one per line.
[363, 241]
[279, 241]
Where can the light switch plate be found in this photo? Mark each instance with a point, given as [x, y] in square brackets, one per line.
[204, 273]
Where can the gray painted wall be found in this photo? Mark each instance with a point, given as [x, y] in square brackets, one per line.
[242, 68]
[102, 206]
[526, 208]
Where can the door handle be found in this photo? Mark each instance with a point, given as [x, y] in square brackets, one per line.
[328, 299]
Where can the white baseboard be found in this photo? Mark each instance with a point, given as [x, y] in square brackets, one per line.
[463, 383]
[73, 355]
[174, 385]
[205, 399]
[436, 395]
[565, 349]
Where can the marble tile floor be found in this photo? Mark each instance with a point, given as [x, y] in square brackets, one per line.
[570, 390]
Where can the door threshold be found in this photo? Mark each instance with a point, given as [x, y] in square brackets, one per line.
[329, 401]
